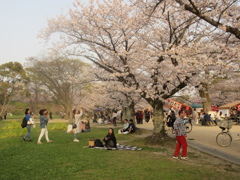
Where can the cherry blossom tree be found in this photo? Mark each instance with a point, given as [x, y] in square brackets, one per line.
[155, 56]
[225, 90]
[223, 18]
[221, 14]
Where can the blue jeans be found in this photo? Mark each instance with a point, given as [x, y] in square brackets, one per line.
[28, 135]
[75, 135]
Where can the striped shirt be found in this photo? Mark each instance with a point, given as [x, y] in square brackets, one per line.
[179, 125]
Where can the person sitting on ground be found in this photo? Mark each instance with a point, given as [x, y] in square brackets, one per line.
[124, 130]
[207, 119]
[83, 127]
[131, 127]
[87, 126]
[110, 139]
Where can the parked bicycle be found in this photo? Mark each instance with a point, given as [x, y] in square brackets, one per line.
[187, 124]
[224, 138]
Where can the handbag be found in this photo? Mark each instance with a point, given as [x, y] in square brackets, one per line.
[74, 126]
[31, 121]
[91, 143]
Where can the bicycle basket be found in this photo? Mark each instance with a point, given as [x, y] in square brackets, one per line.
[226, 124]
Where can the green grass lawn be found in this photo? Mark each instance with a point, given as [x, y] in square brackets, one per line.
[64, 159]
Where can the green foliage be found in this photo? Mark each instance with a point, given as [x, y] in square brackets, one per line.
[12, 80]
[11, 129]
[17, 109]
[14, 129]
[64, 79]
[57, 126]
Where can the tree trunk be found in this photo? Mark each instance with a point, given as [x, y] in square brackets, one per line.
[158, 120]
[69, 113]
[128, 112]
[204, 94]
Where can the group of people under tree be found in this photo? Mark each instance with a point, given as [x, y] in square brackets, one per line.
[106, 117]
[146, 114]
[202, 118]
[109, 139]
[213, 118]
[128, 127]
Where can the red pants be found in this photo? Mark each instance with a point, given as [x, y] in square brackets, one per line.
[181, 142]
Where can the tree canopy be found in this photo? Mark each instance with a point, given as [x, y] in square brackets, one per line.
[153, 50]
[13, 79]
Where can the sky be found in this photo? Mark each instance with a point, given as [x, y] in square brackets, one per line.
[21, 21]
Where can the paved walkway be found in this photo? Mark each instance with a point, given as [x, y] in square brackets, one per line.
[203, 138]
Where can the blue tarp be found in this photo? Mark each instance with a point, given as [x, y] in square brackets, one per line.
[196, 105]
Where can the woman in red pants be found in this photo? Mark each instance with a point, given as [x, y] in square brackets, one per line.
[180, 136]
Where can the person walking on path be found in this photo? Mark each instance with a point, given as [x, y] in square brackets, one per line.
[29, 123]
[43, 124]
[78, 129]
[180, 136]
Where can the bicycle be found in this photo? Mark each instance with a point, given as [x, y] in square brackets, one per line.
[187, 124]
[224, 138]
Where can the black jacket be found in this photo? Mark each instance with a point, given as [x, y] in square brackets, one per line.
[111, 140]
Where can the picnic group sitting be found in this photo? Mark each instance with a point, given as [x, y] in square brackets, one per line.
[110, 143]
[128, 127]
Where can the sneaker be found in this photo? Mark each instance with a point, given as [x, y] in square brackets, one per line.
[75, 140]
[184, 158]
[39, 142]
[23, 139]
[175, 157]
[49, 141]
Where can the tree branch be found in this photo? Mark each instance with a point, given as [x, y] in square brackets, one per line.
[226, 28]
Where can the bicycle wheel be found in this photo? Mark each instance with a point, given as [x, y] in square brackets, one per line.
[224, 139]
[188, 127]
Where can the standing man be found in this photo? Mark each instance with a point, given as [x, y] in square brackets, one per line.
[180, 136]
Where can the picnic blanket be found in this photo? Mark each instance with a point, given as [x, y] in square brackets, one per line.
[121, 147]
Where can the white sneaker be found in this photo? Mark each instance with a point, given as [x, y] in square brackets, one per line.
[184, 158]
[175, 157]
[76, 140]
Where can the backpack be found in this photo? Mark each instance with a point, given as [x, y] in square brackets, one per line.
[24, 122]
[98, 143]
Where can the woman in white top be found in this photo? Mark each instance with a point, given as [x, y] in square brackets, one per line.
[77, 117]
